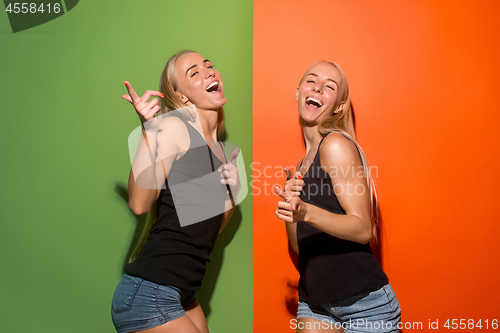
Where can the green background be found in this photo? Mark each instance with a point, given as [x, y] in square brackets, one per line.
[65, 223]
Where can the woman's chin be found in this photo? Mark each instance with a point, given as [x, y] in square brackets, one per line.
[310, 119]
[218, 100]
[222, 102]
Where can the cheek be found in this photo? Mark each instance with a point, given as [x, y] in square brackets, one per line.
[301, 93]
[197, 83]
[194, 87]
[332, 98]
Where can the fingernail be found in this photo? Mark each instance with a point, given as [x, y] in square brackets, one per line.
[125, 83]
[299, 177]
[294, 208]
[162, 95]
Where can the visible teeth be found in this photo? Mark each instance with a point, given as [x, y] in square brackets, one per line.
[212, 84]
[317, 101]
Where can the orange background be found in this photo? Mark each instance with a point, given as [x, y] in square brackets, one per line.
[423, 78]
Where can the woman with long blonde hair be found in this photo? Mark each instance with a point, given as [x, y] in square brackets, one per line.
[330, 209]
[179, 147]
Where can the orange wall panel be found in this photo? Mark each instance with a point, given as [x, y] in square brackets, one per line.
[424, 85]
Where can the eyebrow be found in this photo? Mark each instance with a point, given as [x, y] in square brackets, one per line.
[190, 68]
[326, 78]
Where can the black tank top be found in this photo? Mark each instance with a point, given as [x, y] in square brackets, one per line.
[174, 254]
[332, 270]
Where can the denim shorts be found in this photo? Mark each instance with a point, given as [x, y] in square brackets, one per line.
[377, 312]
[139, 304]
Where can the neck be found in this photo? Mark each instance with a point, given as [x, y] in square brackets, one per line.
[208, 121]
[311, 136]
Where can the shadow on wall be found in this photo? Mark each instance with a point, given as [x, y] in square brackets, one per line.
[122, 190]
[292, 297]
[204, 296]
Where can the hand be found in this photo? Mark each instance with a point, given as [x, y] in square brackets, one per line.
[292, 209]
[145, 110]
[294, 183]
[229, 172]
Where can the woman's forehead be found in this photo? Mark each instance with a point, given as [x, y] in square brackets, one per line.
[189, 59]
[324, 69]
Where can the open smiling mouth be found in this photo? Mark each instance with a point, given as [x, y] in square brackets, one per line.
[313, 103]
[213, 87]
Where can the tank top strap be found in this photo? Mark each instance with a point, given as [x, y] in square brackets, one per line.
[338, 131]
[345, 136]
[317, 152]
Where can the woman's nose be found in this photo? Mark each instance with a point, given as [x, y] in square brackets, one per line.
[210, 72]
[317, 88]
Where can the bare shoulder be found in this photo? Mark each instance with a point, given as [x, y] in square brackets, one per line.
[172, 127]
[172, 124]
[337, 149]
[173, 131]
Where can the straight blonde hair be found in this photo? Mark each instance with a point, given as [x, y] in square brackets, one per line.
[343, 123]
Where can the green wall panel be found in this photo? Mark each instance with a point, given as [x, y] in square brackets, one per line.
[65, 225]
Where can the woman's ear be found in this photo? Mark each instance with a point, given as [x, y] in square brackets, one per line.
[297, 95]
[182, 97]
[340, 107]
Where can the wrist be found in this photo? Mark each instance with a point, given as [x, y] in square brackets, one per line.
[307, 212]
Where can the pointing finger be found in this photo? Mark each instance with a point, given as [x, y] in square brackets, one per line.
[295, 204]
[281, 193]
[131, 92]
[234, 155]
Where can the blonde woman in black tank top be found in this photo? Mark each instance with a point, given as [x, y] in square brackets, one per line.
[330, 209]
[156, 295]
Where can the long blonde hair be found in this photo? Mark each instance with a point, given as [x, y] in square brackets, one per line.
[171, 101]
[343, 122]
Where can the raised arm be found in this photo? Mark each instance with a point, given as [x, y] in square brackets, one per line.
[157, 150]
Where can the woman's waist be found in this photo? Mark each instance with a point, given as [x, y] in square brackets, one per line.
[337, 262]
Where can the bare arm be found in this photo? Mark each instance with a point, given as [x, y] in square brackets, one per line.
[340, 158]
[339, 154]
[152, 161]
[141, 198]
[170, 139]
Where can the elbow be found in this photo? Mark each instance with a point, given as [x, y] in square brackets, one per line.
[138, 209]
[365, 236]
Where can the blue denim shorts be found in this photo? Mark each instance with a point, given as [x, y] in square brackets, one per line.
[377, 312]
[139, 304]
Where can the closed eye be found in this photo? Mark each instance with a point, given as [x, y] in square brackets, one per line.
[331, 88]
[194, 73]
